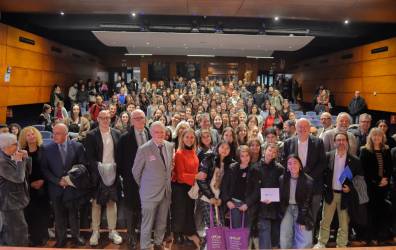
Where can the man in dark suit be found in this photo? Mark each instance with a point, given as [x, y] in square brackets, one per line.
[337, 190]
[128, 145]
[311, 152]
[58, 157]
[101, 145]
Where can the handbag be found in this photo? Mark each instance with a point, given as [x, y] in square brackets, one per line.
[194, 191]
[215, 239]
[237, 238]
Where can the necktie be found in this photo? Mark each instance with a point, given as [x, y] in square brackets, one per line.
[142, 141]
[63, 153]
[162, 155]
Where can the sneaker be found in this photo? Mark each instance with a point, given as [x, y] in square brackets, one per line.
[115, 237]
[319, 245]
[94, 240]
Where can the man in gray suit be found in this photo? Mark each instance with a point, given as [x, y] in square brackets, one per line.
[152, 172]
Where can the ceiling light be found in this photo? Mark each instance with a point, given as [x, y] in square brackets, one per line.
[62, 13]
[147, 43]
[260, 57]
[201, 55]
[137, 54]
[276, 18]
[346, 21]
[133, 14]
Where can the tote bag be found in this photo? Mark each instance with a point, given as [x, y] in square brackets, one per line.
[237, 238]
[215, 234]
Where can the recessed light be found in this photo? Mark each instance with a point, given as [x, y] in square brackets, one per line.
[147, 43]
[133, 14]
[276, 18]
[346, 21]
[62, 13]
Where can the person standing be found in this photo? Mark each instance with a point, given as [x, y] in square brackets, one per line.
[337, 193]
[310, 150]
[185, 173]
[357, 106]
[128, 145]
[57, 159]
[101, 146]
[39, 208]
[296, 191]
[377, 165]
[14, 168]
[152, 170]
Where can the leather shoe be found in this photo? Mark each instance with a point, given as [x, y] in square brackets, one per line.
[179, 239]
[132, 243]
[60, 244]
[79, 241]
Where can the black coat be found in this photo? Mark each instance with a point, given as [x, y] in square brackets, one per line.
[94, 147]
[127, 148]
[304, 193]
[316, 159]
[265, 176]
[208, 166]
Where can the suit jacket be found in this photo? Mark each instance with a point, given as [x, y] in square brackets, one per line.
[354, 165]
[125, 158]
[328, 141]
[94, 147]
[150, 173]
[53, 169]
[316, 159]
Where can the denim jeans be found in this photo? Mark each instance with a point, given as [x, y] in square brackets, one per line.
[291, 234]
[236, 215]
[266, 228]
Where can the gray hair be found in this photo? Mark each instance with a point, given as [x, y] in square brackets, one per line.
[157, 124]
[365, 115]
[341, 114]
[303, 120]
[7, 139]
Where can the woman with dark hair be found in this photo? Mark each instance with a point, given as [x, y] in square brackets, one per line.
[38, 210]
[285, 110]
[376, 161]
[255, 150]
[204, 144]
[384, 126]
[123, 122]
[215, 165]
[272, 118]
[56, 96]
[218, 124]
[15, 129]
[230, 137]
[242, 134]
[296, 191]
[45, 117]
[75, 119]
[83, 98]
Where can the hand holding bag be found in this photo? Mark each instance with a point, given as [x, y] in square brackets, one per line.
[237, 238]
[215, 234]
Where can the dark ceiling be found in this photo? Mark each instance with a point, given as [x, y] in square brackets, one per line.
[75, 30]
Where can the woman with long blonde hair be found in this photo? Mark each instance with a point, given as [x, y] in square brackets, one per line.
[37, 211]
[377, 165]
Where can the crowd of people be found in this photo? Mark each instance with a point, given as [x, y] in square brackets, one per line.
[174, 152]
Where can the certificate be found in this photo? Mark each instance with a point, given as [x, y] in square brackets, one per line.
[270, 194]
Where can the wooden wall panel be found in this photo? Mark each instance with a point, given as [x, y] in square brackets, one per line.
[380, 67]
[365, 71]
[36, 68]
[17, 57]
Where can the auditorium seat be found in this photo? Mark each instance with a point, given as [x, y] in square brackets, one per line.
[46, 134]
[40, 127]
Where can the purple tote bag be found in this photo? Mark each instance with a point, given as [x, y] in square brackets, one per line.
[237, 238]
[215, 234]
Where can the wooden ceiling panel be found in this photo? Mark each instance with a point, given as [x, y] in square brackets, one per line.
[214, 8]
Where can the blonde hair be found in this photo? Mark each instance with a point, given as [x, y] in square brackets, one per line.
[22, 136]
[181, 142]
[373, 132]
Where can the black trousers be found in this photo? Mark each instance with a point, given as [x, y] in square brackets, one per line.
[64, 214]
[37, 215]
[133, 218]
[15, 229]
[182, 210]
